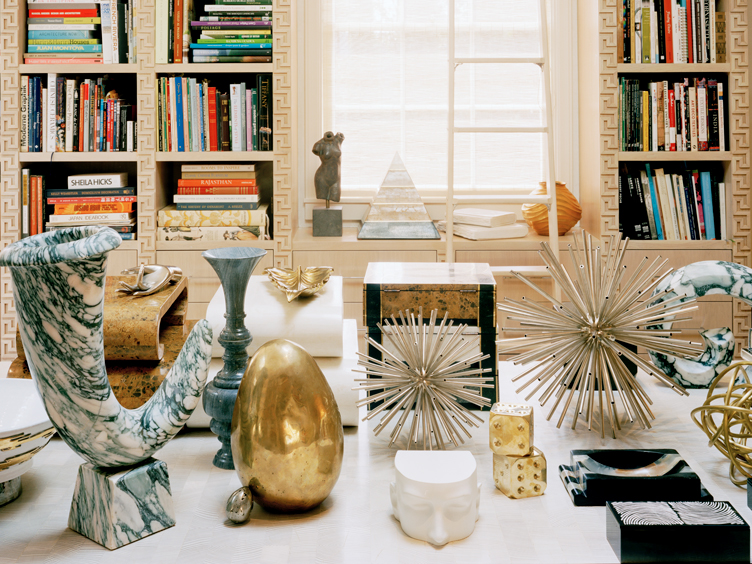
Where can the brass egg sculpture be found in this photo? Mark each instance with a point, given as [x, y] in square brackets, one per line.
[287, 440]
[568, 210]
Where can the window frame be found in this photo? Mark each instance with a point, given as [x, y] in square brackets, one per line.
[562, 18]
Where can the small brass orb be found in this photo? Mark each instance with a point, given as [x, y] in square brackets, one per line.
[239, 505]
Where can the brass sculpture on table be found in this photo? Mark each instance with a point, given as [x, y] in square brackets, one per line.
[150, 279]
[296, 282]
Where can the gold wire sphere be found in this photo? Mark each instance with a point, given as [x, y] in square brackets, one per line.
[725, 419]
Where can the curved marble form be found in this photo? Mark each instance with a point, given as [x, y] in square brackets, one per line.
[702, 279]
[58, 287]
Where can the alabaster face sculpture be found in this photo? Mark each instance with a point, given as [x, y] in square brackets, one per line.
[436, 495]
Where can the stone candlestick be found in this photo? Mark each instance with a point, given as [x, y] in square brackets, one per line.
[234, 266]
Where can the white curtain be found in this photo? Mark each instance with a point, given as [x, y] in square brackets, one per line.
[385, 88]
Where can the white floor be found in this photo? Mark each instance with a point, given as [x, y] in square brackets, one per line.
[356, 524]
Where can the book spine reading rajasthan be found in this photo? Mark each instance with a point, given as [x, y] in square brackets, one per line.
[671, 31]
[230, 31]
[689, 115]
[90, 199]
[74, 115]
[194, 116]
[81, 33]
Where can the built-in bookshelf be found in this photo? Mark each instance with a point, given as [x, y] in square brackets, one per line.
[151, 169]
[600, 193]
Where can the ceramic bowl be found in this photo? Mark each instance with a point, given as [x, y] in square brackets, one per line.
[24, 427]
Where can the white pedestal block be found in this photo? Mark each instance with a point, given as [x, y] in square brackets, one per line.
[115, 506]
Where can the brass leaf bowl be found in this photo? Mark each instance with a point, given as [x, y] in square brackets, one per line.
[296, 282]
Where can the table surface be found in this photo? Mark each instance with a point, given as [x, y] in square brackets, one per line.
[355, 524]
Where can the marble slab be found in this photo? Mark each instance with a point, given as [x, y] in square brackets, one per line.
[115, 507]
[132, 325]
[315, 323]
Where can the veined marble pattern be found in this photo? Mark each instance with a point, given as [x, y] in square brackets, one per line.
[696, 280]
[58, 286]
[115, 508]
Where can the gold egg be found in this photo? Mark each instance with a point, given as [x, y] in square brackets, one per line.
[568, 210]
[287, 440]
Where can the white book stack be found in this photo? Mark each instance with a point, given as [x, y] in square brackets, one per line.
[482, 224]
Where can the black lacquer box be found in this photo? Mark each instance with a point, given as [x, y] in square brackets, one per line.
[685, 531]
[597, 476]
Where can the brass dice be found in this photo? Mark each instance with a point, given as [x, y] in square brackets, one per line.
[520, 476]
[511, 429]
[519, 469]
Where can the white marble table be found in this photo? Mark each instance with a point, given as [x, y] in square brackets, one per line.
[355, 524]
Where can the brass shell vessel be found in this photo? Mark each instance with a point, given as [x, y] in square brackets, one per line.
[287, 440]
[295, 282]
[568, 210]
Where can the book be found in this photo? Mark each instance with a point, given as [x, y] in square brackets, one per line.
[25, 202]
[161, 22]
[217, 190]
[231, 25]
[93, 200]
[95, 218]
[224, 99]
[226, 48]
[707, 204]
[90, 208]
[244, 168]
[212, 234]
[235, 117]
[215, 199]
[24, 143]
[264, 135]
[170, 216]
[668, 211]
[217, 182]
[483, 217]
[478, 233]
[63, 22]
[722, 201]
[231, 59]
[35, 13]
[721, 119]
[55, 27]
[61, 34]
[218, 206]
[98, 180]
[655, 202]
[702, 116]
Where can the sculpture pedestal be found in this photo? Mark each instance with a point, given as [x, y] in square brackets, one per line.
[117, 506]
[10, 490]
[327, 222]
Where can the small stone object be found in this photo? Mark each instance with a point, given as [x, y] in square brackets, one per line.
[239, 505]
[520, 476]
[511, 429]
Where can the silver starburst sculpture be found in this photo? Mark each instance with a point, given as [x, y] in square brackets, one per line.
[578, 348]
[421, 381]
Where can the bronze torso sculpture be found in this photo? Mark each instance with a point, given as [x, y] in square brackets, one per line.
[327, 178]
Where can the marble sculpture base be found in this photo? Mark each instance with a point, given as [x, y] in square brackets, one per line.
[327, 222]
[117, 506]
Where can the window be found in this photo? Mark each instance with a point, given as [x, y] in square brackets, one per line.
[376, 70]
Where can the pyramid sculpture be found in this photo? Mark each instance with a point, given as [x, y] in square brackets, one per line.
[397, 212]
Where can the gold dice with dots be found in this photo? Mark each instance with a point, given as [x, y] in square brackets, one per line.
[511, 429]
[520, 476]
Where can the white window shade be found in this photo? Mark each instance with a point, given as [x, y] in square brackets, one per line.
[384, 85]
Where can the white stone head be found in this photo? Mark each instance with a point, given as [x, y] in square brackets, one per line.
[436, 495]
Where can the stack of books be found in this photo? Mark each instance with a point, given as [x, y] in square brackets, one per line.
[79, 33]
[194, 116]
[234, 31]
[671, 31]
[672, 116]
[482, 224]
[63, 33]
[72, 115]
[231, 31]
[94, 199]
[689, 204]
[215, 203]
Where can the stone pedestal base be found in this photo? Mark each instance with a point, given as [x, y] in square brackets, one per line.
[327, 222]
[10, 490]
[116, 506]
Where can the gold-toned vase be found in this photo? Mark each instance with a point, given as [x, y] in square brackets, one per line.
[287, 440]
[568, 210]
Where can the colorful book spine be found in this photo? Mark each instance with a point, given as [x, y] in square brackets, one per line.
[89, 208]
[171, 217]
[212, 190]
[217, 206]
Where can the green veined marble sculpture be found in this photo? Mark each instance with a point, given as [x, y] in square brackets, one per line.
[58, 286]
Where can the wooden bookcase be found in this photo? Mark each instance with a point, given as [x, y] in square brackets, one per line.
[599, 136]
[147, 164]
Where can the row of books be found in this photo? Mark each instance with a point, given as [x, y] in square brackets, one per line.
[74, 115]
[671, 31]
[230, 31]
[233, 31]
[672, 116]
[193, 116]
[81, 32]
[686, 205]
[89, 199]
[214, 203]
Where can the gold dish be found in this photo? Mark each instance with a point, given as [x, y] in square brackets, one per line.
[298, 282]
